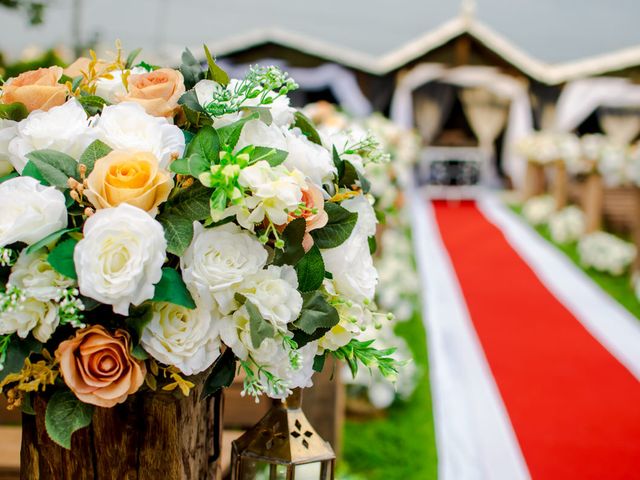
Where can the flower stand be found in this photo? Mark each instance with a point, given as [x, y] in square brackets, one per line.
[149, 437]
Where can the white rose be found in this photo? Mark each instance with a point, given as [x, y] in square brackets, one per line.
[218, 259]
[120, 258]
[367, 220]
[30, 315]
[127, 126]
[258, 133]
[112, 88]
[8, 130]
[351, 265]
[182, 337]
[313, 160]
[65, 129]
[36, 278]
[30, 211]
[274, 292]
[274, 192]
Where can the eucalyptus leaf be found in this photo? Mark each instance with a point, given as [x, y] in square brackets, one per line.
[316, 314]
[230, 134]
[260, 328]
[215, 72]
[30, 170]
[272, 156]
[206, 143]
[95, 151]
[306, 127]
[65, 415]
[55, 167]
[178, 232]
[191, 69]
[191, 204]
[17, 352]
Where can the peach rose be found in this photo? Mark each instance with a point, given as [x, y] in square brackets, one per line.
[128, 176]
[314, 200]
[157, 91]
[36, 89]
[98, 368]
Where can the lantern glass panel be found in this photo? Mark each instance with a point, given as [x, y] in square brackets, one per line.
[259, 470]
[310, 471]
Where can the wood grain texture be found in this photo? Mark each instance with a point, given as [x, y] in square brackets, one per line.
[149, 437]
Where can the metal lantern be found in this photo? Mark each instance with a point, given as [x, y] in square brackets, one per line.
[282, 446]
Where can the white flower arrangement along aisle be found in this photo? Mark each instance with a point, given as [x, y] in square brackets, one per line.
[399, 287]
[157, 224]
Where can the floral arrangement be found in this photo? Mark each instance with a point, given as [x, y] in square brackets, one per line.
[545, 147]
[567, 225]
[164, 229]
[538, 210]
[606, 253]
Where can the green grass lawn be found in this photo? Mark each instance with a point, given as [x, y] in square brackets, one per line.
[400, 446]
[618, 287]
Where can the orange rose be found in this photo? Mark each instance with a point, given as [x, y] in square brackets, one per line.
[314, 200]
[98, 367]
[128, 176]
[36, 89]
[157, 91]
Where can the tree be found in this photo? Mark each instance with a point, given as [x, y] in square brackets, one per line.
[33, 9]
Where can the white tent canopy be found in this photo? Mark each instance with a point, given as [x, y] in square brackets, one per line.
[519, 123]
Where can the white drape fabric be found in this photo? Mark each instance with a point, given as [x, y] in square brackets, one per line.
[621, 125]
[342, 82]
[433, 104]
[581, 98]
[487, 115]
[474, 436]
[520, 120]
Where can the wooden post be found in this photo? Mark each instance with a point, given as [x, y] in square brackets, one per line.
[149, 437]
[593, 202]
[560, 185]
[534, 180]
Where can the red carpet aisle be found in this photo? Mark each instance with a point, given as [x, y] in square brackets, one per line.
[574, 408]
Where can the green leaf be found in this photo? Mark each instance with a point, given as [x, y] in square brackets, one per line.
[172, 289]
[9, 176]
[49, 239]
[373, 244]
[139, 352]
[61, 258]
[95, 151]
[230, 134]
[13, 111]
[132, 58]
[264, 113]
[27, 404]
[338, 162]
[198, 164]
[180, 166]
[306, 127]
[191, 203]
[338, 228]
[178, 232]
[30, 170]
[206, 143]
[65, 415]
[17, 352]
[222, 374]
[316, 314]
[191, 70]
[218, 201]
[138, 318]
[215, 72]
[319, 361]
[292, 236]
[310, 270]
[55, 167]
[271, 155]
[349, 175]
[260, 328]
[92, 104]
[190, 100]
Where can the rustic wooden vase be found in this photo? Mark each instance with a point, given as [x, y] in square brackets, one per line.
[152, 436]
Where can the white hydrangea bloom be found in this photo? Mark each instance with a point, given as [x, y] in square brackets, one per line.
[606, 253]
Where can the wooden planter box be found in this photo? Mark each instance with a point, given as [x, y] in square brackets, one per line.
[149, 437]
